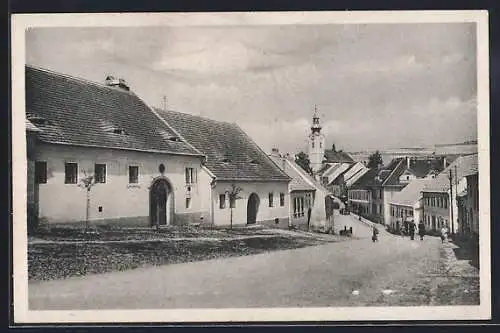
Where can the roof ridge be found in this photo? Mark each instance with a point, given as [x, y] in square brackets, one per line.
[194, 115]
[78, 79]
[259, 149]
[393, 170]
[152, 109]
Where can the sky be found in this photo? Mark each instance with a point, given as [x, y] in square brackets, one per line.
[375, 86]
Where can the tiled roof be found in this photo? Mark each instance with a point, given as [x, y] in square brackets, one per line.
[337, 157]
[393, 178]
[231, 153]
[298, 182]
[410, 194]
[420, 167]
[77, 112]
[465, 165]
[366, 181]
[30, 127]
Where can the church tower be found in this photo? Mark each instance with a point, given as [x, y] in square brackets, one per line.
[316, 149]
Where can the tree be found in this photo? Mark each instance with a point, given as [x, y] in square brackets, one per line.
[233, 194]
[87, 182]
[333, 147]
[302, 159]
[375, 160]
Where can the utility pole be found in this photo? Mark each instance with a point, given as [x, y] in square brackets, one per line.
[456, 193]
[450, 177]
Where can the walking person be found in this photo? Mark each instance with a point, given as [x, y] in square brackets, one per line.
[375, 234]
[421, 230]
[444, 234]
[412, 230]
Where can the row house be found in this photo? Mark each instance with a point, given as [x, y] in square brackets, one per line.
[468, 206]
[361, 199]
[146, 169]
[309, 200]
[344, 180]
[440, 206]
[406, 206]
[404, 171]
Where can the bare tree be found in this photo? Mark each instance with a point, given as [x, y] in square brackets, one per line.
[234, 194]
[87, 182]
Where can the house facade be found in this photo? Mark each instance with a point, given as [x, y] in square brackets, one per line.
[440, 194]
[403, 172]
[360, 194]
[139, 165]
[234, 161]
[468, 207]
[308, 198]
[406, 206]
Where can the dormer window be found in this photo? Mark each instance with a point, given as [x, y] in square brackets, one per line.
[174, 138]
[37, 120]
[254, 162]
[226, 160]
[119, 131]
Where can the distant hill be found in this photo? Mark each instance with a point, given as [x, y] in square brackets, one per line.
[467, 147]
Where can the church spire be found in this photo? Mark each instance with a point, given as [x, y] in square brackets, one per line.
[316, 127]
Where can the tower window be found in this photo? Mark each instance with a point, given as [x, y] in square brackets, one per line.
[313, 144]
[320, 145]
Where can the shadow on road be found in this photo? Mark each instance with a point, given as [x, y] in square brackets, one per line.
[467, 249]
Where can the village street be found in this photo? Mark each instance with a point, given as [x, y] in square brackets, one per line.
[394, 271]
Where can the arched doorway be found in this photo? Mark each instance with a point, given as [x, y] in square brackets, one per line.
[160, 201]
[252, 208]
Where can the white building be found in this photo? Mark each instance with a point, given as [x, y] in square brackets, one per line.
[147, 171]
[233, 159]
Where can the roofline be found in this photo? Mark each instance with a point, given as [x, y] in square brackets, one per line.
[153, 110]
[300, 172]
[435, 191]
[117, 148]
[402, 204]
[210, 173]
[393, 170]
[253, 180]
[76, 78]
[260, 149]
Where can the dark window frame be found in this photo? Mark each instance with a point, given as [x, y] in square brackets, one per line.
[41, 178]
[282, 199]
[100, 173]
[222, 201]
[131, 176]
[73, 177]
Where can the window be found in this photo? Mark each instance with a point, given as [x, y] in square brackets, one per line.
[446, 203]
[41, 172]
[188, 203]
[298, 207]
[232, 202]
[282, 199]
[190, 176]
[133, 174]
[222, 201]
[70, 173]
[320, 145]
[271, 203]
[100, 173]
[313, 144]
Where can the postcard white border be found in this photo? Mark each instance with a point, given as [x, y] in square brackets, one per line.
[21, 22]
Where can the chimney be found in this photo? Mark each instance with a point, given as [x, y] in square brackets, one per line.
[407, 162]
[275, 152]
[444, 162]
[111, 81]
